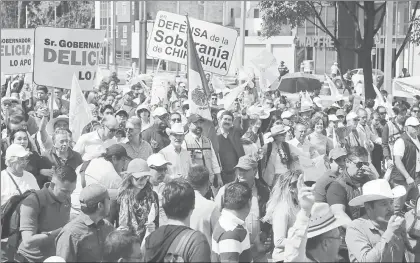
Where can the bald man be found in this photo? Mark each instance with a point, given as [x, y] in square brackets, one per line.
[104, 136]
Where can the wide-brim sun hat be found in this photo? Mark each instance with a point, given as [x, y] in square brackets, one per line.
[255, 112]
[323, 220]
[278, 129]
[375, 190]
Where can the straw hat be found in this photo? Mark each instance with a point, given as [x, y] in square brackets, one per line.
[377, 190]
[51, 123]
[176, 129]
[323, 220]
[279, 129]
[258, 111]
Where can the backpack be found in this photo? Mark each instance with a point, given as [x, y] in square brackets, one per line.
[177, 255]
[10, 211]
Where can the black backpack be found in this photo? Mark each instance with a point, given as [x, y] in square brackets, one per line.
[10, 212]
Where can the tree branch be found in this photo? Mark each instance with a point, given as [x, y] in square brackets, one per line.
[379, 8]
[407, 36]
[323, 27]
[355, 20]
[381, 20]
[360, 6]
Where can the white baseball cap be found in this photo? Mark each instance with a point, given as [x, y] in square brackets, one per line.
[412, 121]
[157, 160]
[352, 115]
[332, 117]
[16, 150]
[159, 111]
[286, 114]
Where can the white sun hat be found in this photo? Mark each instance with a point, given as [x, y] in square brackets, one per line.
[377, 190]
[323, 220]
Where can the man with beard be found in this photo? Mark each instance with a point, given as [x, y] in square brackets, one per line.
[392, 131]
[176, 154]
[230, 146]
[201, 149]
[378, 236]
[156, 134]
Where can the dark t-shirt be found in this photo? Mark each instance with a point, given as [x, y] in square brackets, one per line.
[320, 191]
[337, 194]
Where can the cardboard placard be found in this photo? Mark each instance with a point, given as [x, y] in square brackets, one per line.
[16, 53]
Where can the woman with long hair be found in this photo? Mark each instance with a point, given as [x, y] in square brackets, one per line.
[136, 199]
[136, 147]
[282, 208]
[143, 113]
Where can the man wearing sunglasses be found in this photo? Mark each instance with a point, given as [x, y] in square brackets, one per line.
[103, 136]
[349, 183]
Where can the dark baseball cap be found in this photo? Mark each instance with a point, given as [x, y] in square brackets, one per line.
[117, 150]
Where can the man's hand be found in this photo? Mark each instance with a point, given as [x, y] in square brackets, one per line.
[47, 172]
[409, 180]
[395, 223]
[219, 180]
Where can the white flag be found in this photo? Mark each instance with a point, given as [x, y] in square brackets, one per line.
[218, 84]
[80, 114]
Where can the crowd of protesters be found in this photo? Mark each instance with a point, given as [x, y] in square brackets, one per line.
[158, 183]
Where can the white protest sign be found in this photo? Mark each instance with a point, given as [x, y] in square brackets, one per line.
[16, 54]
[159, 91]
[61, 52]
[215, 44]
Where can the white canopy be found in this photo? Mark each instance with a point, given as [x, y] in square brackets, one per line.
[406, 87]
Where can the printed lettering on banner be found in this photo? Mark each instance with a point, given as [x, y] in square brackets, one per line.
[16, 55]
[214, 43]
[61, 52]
[159, 91]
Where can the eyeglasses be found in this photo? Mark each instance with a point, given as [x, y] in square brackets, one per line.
[8, 104]
[360, 164]
[160, 169]
[415, 111]
[176, 120]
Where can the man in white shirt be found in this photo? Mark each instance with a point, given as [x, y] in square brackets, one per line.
[175, 154]
[407, 163]
[301, 146]
[103, 136]
[366, 136]
[198, 177]
[104, 170]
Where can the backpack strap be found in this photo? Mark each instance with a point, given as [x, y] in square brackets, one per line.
[187, 234]
[82, 173]
[17, 187]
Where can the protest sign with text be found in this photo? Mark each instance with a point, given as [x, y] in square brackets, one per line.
[16, 54]
[214, 43]
[62, 52]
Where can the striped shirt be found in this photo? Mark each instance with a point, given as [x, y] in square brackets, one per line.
[230, 240]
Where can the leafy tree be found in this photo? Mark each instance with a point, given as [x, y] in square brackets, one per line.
[279, 13]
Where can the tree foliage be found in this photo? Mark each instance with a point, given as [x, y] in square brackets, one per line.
[69, 14]
[278, 13]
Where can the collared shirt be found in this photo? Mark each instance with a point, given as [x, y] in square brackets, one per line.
[200, 217]
[143, 152]
[230, 240]
[82, 240]
[91, 139]
[367, 243]
[181, 161]
[8, 188]
[73, 159]
[99, 171]
[42, 214]
[214, 160]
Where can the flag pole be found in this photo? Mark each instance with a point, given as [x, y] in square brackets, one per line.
[188, 59]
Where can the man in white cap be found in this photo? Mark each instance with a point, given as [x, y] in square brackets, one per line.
[315, 236]
[407, 162]
[176, 154]
[379, 235]
[156, 134]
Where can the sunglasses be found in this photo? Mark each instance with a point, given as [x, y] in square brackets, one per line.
[160, 169]
[415, 111]
[360, 164]
[176, 120]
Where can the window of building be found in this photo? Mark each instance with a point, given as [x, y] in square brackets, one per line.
[309, 53]
[246, 33]
[256, 13]
[124, 31]
[133, 8]
[127, 55]
[124, 8]
[232, 13]
[259, 33]
[118, 54]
